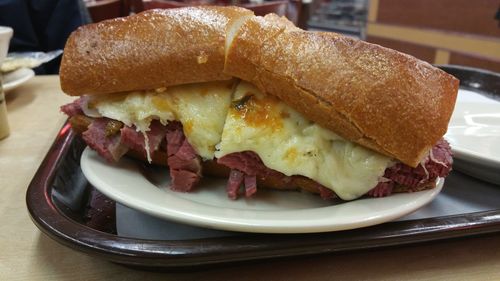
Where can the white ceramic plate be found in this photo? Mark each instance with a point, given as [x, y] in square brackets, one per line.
[12, 80]
[474, 135]
[269, 212]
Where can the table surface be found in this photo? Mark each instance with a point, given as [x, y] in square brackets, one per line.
[27, 254]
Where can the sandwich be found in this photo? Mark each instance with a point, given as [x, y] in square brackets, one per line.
[217, 91]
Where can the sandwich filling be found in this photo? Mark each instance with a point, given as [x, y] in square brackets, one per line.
[287, 142]
[201, 108]
[255, 135]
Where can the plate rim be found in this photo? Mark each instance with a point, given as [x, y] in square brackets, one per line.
[471, 156]
[205, 217]
[11, 85]
[467, 154]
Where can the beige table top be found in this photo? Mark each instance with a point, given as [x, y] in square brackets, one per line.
[27, 254]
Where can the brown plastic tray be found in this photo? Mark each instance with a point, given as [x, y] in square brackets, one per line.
[59, 202]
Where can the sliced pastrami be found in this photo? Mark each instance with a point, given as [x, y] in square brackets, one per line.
[247, 162]
[250, 185]
[439, 160]
[234, 182]
[326, 193]
[437, 164]
[74, 108]
[183, 180]
[183, 161]
[251, 168]
[135, 140]
[175, 137]
[109, 147]
[238, 179]
[244, 168]
[382, 189]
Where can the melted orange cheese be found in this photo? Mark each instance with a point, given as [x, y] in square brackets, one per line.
[257, 111]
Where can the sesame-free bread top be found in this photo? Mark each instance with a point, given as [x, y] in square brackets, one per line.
[152, 49]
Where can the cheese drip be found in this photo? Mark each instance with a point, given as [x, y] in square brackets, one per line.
[292, 145]
[249, 120]
[201, 108]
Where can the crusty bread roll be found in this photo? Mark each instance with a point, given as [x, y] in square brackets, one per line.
[377, 97]
[153, 49]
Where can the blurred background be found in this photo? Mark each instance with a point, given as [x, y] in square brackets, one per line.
[459, 32]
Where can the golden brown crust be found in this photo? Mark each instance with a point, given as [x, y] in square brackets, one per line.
[153, 49]
[380, 98]
[371, 95]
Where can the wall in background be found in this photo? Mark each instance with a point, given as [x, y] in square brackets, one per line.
[460, 32]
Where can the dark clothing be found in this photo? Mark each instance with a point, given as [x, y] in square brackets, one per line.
[41, 25]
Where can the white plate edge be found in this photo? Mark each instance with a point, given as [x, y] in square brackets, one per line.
[29, 73]
[426, 197]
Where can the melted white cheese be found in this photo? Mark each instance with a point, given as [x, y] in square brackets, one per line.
[201, 108]
[250, 120]
[288, 143]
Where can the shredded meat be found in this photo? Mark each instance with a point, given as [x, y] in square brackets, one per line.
[437, 164]
[233, 183]
[74, 108]
[135, 140]
[250, 165]
[183, 161]
[112, 140]
[109, 147]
